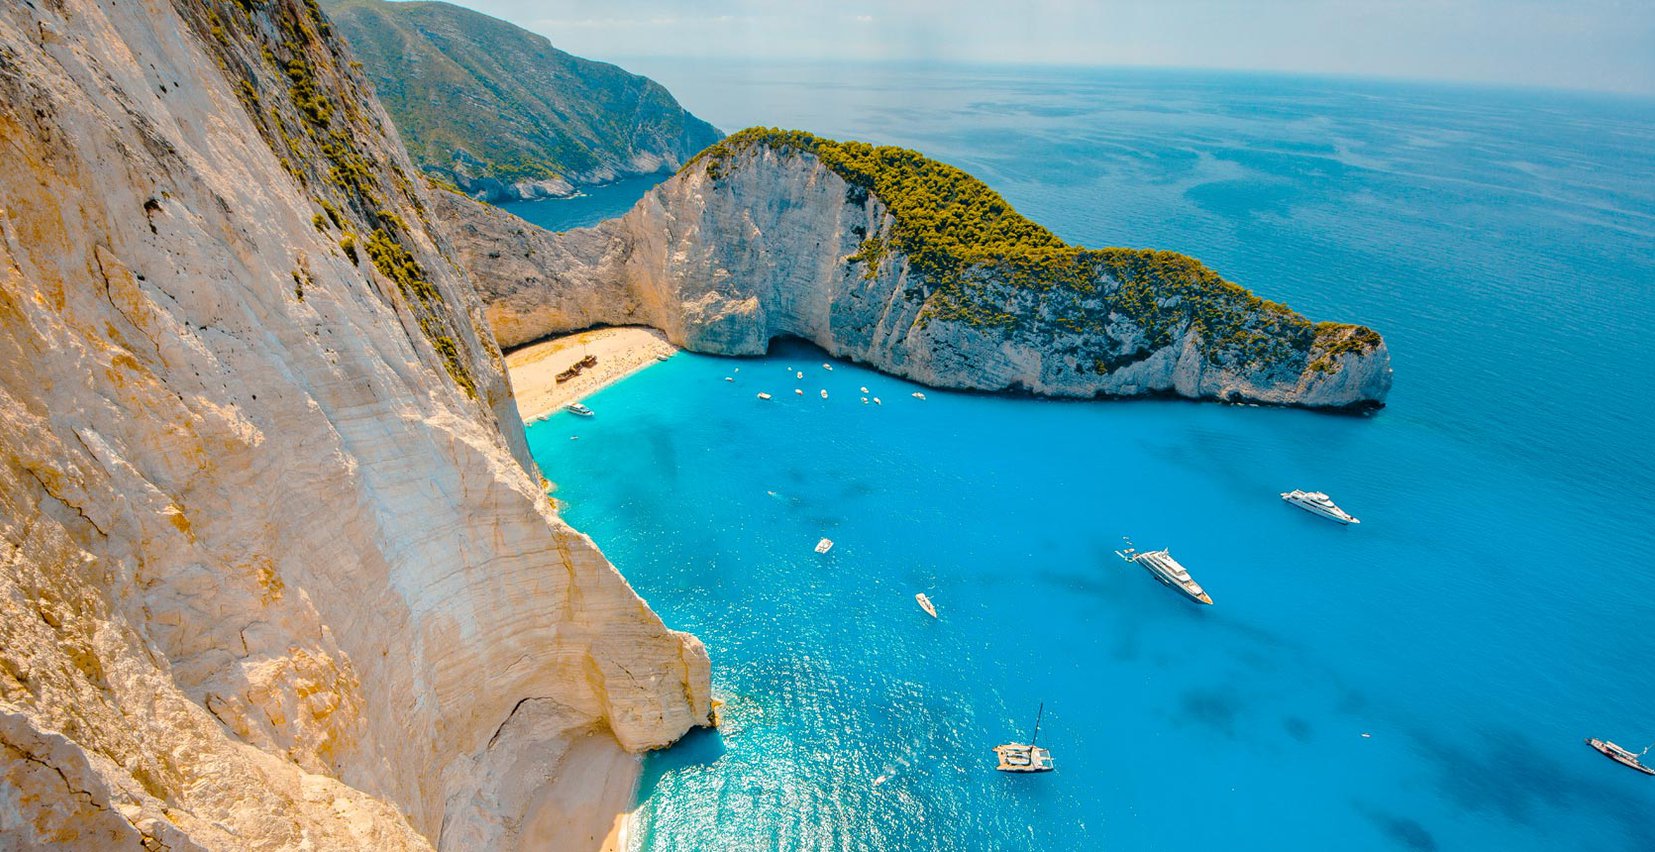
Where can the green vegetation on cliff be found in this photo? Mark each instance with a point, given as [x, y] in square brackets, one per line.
[309, 108]
[479, 100]
[976, 253]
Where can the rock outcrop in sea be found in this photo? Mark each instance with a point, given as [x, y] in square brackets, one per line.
[911, 266]
[276, 569]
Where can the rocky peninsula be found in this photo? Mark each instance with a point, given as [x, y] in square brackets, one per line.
[886, 257]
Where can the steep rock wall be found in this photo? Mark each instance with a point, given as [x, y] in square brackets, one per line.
[275, 567]
[774, 242]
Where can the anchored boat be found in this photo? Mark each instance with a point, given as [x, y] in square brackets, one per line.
[925, 604]
[1317, 503]
[1161, 566]
[1018, 757]
[1620, 755]
[578, 410]
[824, 545]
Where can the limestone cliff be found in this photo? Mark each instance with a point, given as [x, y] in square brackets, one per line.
[275, 567]
[884, 257]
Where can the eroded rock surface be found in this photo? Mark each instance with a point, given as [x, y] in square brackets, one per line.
[275, 566]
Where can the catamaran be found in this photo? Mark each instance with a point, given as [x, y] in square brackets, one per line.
[824, 545]
[1018, 757]
[1620, 755]
[1161, 566]
[1317, 503]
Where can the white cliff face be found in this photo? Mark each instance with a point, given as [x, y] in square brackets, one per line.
[276, 570]
[770, 248]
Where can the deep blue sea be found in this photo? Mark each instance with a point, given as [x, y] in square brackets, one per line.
[1496, 605]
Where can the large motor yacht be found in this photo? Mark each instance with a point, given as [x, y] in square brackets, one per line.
[1317, 503]
[1161, 566]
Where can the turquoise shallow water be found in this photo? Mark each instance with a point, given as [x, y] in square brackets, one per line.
[1491, 610]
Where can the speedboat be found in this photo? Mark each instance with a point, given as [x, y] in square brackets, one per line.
[763, 395]
[799, 375]
[824, 545]
[925, 604]
[578, 410]
[729, 378]
[917, 395]
[1021, 757]
[1317, 503]
[824, 393]
[828, 367]
[863, 389]
[1619, 755]
[799, 391]
[1161, 566]
[877, 402]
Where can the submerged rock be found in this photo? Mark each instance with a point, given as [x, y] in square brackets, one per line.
[913, 267]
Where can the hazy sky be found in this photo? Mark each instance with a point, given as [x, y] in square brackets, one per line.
[1589, 44]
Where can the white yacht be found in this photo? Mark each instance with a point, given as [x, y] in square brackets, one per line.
[1317, 503]
[1161, 566]
[925, 604]
[578, 410]
[763, 395]
[824, 545]
[1025, 757]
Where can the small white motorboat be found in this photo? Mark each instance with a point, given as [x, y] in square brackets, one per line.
[799, 391]
[864, 400]
[863, 389]
[877, 402]
[799, 375]
[578, 410]
[828, 367]
[824, 393]
[925, 604]
[729, 378]
[917, 395]
[763, 395]
[824, 545]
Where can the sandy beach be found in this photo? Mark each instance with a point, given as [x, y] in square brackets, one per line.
[586, 805]
[620, 352]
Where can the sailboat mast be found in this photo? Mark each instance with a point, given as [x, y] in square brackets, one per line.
[1037, 715]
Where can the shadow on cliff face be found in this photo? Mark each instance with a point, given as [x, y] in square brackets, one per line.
[699, 747]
